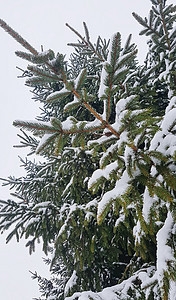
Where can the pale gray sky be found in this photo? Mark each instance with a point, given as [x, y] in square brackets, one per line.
[42, 22]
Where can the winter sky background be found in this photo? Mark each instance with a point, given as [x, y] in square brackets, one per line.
[42, 22]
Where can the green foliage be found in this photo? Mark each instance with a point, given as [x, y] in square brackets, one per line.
[103, 201]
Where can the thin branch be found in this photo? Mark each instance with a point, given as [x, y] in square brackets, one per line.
[88, 44]
[83, 131]
[105, 124]
[166, 32]
[17, 37]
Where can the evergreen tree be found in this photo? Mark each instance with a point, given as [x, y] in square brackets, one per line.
[103, 201]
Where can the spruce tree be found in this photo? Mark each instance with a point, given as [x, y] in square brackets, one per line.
[103, 200]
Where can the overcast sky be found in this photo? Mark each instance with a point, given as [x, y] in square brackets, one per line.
[42, 22]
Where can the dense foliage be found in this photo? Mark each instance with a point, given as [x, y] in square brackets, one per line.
[103, 201]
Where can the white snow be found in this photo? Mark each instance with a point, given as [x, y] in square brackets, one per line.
[68, 185]
[172, 290]
[70, 283]
[102, 173]
[147, 204]
[120, 70]
[57, 94]
[121, 187]
[137, 232]
[102, 86]
[164, 252]
[111, 149]
[43, 141]
[164, 140]
[171, 104]
[68, 123]
[42, 204]
[115, 292]
[120, 219]
[76, 81]
[169, 119]
[72, 103]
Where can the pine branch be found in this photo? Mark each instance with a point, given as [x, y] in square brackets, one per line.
[35, 126]
[165, 29]
[127, 44]
[36, 81]
[43, 73]
[80, 79]
[24, 55]
[86, 32]
[86, 130]
[87, 43]
[17, 37]
[78, 34]
[59, 144]
[45, 141]
[72, 105]
[125, 58]
[56, 124]
[40, 58]
[26, 45]
[114, 55]
[104, 123]
[54, 97]
[144, 23]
